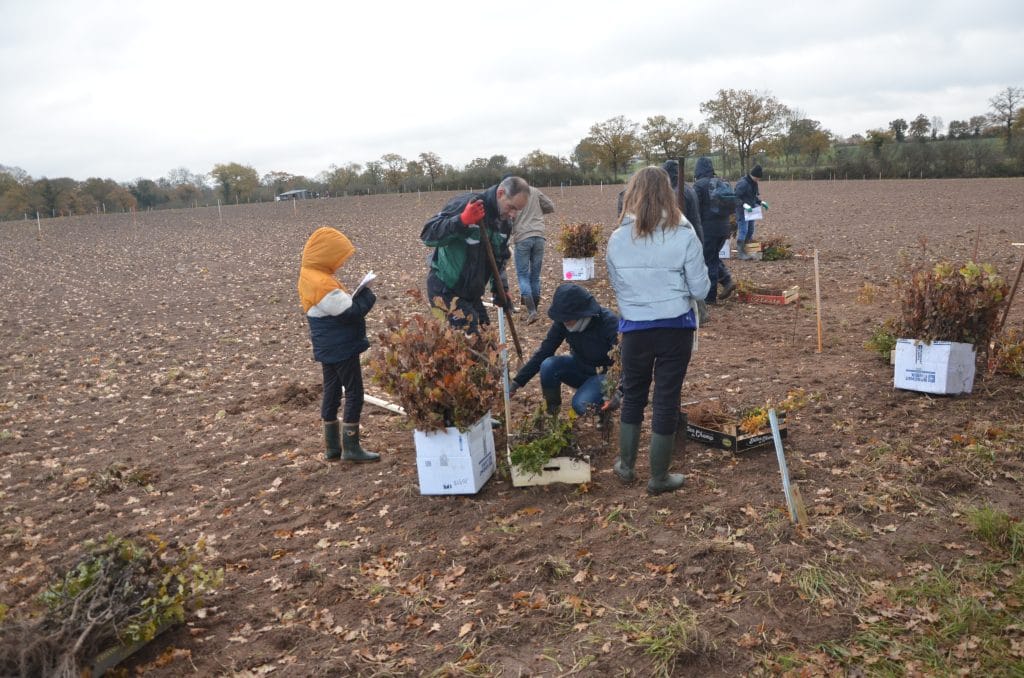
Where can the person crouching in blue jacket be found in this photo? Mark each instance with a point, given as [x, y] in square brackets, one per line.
[591, 332]
[337, 329]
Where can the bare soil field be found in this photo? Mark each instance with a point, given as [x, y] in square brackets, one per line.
[156, 377]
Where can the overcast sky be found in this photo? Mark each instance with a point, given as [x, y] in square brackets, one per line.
[124, 90]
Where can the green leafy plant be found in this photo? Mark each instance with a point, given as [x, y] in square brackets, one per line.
[122, 592]
[578, 241]
[776, 248]
[438, 374]
[952, 302]
[883, 338]
[539, 439]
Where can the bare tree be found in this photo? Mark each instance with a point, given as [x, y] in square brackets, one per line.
[746, 118]
[919, 127]
[899, 129]
[1004, 108]
[615, 142]
[394, 169]
[432, 163]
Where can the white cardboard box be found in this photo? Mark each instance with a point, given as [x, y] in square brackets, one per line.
[578, 269]
[725, 252]
[945, 367]
[557, 470]
[455, 462]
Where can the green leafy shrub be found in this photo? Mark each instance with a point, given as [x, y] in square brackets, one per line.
[952, 302]
[121, 592]
[578, 241]
[883, 338]
[438, 374]
[540, 438]
[776, 248]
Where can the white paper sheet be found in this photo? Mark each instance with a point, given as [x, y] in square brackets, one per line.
[367, 279]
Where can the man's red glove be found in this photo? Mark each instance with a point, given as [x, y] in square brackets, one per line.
[472, 213]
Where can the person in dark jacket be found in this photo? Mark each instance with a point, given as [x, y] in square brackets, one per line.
[591, 331]
[747, 193]
[459, 269]
[337, 330]
[716, 232]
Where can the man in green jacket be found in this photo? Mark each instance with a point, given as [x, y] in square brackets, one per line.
[459, 270]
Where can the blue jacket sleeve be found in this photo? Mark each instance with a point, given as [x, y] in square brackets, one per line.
[362, 303]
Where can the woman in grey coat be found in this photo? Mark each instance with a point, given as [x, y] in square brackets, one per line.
[656, 268]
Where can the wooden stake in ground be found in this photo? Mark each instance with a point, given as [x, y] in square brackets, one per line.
[1009, 299]
[485, 239]
[817, 296]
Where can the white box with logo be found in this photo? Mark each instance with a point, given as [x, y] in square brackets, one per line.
[578, 269]
[453, 461]
[945, 367]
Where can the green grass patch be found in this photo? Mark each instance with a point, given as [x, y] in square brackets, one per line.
[999, 530]
[667, 636]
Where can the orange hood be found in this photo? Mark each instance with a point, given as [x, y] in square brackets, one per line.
[325, 251]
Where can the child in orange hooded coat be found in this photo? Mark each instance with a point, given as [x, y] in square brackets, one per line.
[337, 329]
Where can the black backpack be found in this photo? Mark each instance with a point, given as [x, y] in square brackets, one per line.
[721, 198]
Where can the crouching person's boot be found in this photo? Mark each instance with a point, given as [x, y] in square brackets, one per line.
[351, 448]
[531, 308]
[661, 456]
[629, 441]
[552, 399]
[332, 440]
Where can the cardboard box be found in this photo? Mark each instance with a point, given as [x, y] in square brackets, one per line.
[731, 438]
[725, 252]
[455, 462]
[557, 470]
[578, 269]
[775, 297]
[944, 367]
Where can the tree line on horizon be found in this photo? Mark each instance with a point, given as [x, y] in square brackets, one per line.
[741, 127]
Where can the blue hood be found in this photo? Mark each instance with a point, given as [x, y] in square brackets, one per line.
[704, 167]
[572, 302]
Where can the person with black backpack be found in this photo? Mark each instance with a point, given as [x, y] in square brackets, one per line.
[716, 202]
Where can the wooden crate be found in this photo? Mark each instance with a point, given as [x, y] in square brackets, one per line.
[774, 297]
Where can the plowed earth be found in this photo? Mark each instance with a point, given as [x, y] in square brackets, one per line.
[156, 377]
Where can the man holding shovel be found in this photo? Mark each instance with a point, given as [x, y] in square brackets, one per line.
[459, 267]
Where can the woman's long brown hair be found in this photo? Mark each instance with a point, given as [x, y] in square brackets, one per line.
[650, 199]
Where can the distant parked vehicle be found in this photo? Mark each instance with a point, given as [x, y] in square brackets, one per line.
[297, 194]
